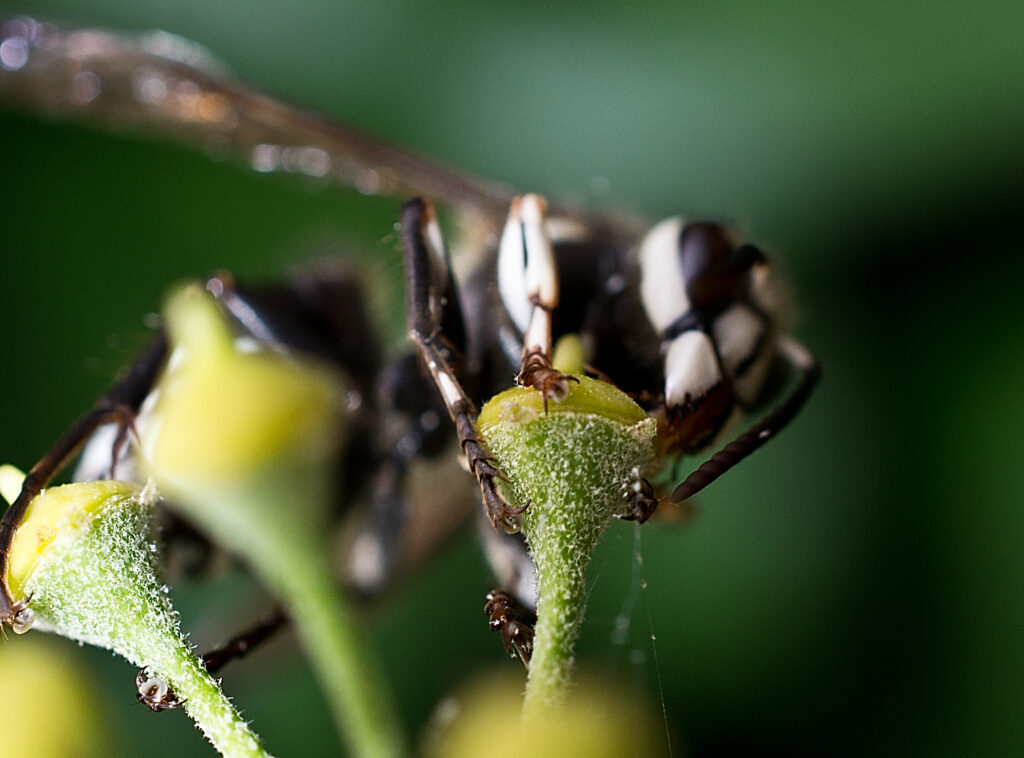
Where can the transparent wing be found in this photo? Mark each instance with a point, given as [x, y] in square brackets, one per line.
[163, 85]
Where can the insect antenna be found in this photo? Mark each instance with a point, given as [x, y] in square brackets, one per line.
[746, 443]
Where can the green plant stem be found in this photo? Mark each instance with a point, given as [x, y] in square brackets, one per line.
[206, 703]
[100, 586]
[562, 539]
[346, 668]
[573, 462]
[292, 559]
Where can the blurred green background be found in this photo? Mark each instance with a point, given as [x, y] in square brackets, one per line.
[855, 588]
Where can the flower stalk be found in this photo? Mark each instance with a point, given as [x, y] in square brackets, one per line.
[574, 465]
[86, 563]
[242, 441]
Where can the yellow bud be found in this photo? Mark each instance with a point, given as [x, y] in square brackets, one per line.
[58, 514]
[568, 355]
[601, 719]
[223, 411]
[520, 405]
[49, 699]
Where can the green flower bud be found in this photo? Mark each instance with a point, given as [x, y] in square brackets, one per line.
[225, 412]
[242, 440]
[84, 565]
[574, 466]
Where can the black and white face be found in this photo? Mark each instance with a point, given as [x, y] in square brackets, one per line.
[709, 300]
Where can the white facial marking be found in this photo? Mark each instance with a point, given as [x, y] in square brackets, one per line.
[737, 331]
[690, 368]
[512, 272]
[662, 286]
[744, 344]
[538, 332]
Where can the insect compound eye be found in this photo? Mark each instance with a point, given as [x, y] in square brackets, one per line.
[716, 272]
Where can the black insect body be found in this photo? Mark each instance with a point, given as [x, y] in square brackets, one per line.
[682, 316]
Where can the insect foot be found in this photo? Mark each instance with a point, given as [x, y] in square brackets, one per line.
[84, 565]
[640, 499]
[515, 624]
[552, 384]
[154, 692]
[572, 464]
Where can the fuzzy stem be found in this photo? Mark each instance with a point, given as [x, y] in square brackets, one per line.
[98, 584]
[215, 715]
[573, 463]
[562, 538]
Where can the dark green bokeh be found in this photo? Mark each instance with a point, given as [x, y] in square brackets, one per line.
[856, 587]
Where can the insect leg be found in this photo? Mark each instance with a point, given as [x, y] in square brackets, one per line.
[528, 282]
[428, 292]
[155, 693]
[242, 644]
[118, 405]
[509, 559]
[514, 622]
[746, 443]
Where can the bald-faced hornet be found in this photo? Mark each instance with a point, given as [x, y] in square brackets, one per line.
[682, 316]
